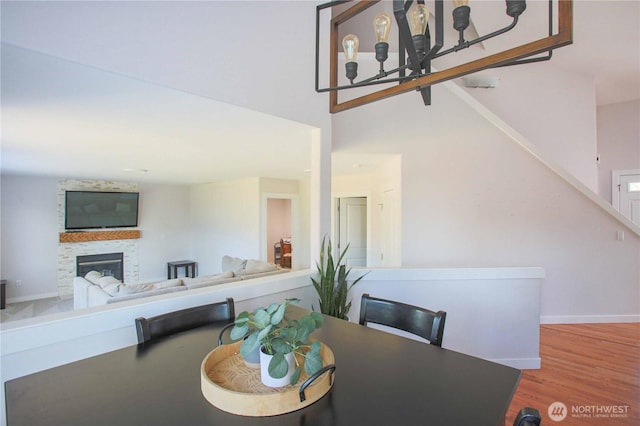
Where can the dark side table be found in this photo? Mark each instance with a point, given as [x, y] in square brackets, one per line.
[188, 265]
[3, 294]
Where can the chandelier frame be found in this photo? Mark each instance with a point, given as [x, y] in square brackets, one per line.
[423, 83]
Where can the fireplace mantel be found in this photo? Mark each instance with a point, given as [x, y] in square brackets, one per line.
[82, 237]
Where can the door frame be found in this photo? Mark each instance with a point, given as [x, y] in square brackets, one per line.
[335, 218]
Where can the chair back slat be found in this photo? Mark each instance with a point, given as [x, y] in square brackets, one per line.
[413, 319]
[174, 322]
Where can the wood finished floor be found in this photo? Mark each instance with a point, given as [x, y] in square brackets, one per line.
[587, 367]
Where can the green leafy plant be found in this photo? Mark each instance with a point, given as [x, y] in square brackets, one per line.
[331, 284]
[279, 335]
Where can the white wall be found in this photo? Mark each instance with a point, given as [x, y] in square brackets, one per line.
[165, 227]
[471, 197]
[29, 232]
[555, 110]
[618, 142]
[29, 236]
[390, 212]
[225, 219]
[307, 251]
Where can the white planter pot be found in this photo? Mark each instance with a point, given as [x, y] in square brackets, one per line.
[253, 359]
[267, 380]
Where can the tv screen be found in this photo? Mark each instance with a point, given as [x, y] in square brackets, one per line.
[92, 209]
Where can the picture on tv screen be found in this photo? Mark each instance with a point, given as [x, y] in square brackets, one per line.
[92, 210]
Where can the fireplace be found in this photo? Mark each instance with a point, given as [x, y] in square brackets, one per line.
[108, 264]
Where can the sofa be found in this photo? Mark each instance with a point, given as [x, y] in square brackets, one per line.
[94, 289]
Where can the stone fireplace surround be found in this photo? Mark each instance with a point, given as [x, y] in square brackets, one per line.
[68, 251]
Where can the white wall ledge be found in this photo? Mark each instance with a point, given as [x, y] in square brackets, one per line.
[412, 274]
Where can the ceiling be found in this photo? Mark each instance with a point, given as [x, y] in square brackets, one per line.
[75, 115]
[60, 117]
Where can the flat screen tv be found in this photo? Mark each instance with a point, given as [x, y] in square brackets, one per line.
[94, 210]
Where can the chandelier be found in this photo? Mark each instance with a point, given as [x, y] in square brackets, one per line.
[419, 45]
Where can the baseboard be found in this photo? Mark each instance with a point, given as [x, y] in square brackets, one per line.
[31, 297]
[586, 319]
[520, 363]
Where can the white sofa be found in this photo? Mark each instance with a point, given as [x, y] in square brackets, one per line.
[93, 289]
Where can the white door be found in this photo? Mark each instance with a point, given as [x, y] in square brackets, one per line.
[388, 231]
[352, 229]
[628, 195]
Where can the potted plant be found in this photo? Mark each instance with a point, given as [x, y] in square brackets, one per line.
[284, 341]
[332, 286]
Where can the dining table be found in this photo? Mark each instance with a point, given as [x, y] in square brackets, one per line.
[380, 379]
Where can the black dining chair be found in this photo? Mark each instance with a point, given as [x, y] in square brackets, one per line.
[185, 319]
[528, 417]
[414, 319]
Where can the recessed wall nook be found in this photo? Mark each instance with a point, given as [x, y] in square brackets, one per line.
[98, 242]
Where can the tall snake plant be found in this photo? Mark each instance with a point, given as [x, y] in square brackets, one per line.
[332, 286]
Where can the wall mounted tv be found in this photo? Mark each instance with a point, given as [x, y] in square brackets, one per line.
[94, 210]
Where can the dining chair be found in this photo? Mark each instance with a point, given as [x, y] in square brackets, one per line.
[528, 417]
[173, 322]
[414, 319]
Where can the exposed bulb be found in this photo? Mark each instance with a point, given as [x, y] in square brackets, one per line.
[382, 27]
[458, 3]
[350, 45]
[418, 19]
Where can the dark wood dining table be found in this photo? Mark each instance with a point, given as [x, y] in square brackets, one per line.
[380, 379]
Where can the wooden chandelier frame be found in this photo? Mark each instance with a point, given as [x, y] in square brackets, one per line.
[563, 37]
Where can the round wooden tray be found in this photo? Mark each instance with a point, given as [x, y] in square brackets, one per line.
[230, 385]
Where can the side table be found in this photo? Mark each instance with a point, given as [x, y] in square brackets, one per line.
[3, 294]
[188, 265]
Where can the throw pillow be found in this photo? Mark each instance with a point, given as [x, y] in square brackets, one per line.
[113, 289]
[260, 266]
[93, 277]
[233, 264]
[108, 280]
[139, 288]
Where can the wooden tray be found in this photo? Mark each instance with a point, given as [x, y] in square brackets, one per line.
[230, 385]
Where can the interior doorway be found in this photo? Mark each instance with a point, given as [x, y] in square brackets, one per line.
[279, 214]
[351, 228]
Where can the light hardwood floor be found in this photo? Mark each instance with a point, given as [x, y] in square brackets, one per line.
[591, 368]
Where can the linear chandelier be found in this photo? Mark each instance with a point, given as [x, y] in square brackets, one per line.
[416, 50]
